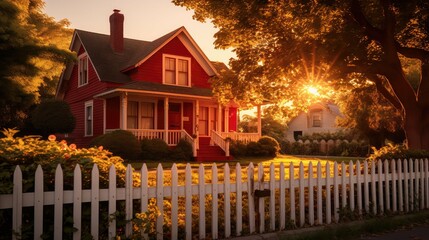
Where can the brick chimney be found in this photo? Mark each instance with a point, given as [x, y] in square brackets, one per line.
[117, 31]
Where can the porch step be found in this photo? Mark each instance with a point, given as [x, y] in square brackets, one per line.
[208, 153]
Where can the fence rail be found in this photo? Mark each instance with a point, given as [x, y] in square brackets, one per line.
[311, 195]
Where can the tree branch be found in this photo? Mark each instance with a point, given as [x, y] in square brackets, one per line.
[412, 52]
[386, 93]
[371, 31]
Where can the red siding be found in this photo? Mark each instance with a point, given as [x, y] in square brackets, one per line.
[112, 113]
[151, 69]
[232, 119]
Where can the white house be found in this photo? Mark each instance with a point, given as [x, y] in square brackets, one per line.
[320, 118]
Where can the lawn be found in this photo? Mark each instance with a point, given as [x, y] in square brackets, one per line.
[287, 159]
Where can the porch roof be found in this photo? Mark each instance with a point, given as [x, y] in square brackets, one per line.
[160, 89]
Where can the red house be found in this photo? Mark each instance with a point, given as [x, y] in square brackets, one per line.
[155, 89]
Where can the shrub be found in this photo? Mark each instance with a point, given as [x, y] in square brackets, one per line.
[269, 146]
[391, 151]
[254, 149]
[52, 117]
[121, 143]
[154, 149]
[182, 151]
[238, 149]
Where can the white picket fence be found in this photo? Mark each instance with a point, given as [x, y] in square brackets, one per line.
[393, 186]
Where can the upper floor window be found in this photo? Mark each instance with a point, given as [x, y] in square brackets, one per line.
[316, 118]
[177, 70]
[83, 70]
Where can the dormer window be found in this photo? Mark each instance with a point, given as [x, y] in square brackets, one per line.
[176, 70]
[316, 118]
[83, 70]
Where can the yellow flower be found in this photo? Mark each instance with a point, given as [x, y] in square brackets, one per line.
[52, 138]
[72, 146]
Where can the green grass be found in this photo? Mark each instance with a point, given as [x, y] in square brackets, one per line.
[355, 230]
[287, 159]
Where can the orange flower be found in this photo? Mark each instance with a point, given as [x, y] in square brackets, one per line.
[72, 146]
[52, 138]
[66, 155]
[100, 148]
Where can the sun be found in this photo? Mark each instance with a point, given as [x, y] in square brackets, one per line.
[313, 90]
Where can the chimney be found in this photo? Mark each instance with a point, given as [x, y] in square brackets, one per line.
[117, 31]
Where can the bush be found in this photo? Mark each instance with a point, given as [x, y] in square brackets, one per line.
[391, 151]
[238, 149]
[154, 149]
[121, 143]
[52, 117]
[254, 149]
[269, 146]
[182, 151]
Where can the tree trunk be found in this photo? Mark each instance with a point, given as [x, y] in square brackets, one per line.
[416, 127]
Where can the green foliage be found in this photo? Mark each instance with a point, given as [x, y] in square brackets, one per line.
[396, 152]
[52, 117]
[182, 151]
[121, 143]
[154, 149]
[265, 147]
[32, 53]
[339, 135]
[269, 146]
[238, 148]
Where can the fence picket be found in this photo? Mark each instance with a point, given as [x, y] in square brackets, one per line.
[343, 185]
[427, 182]
[174, 202]
[17, 202]
[202, 202]
[128, 200]
[422, 184]
[227, 200]
[406, 179]
[387, 184]
[373, 189]
[416, 184]
[310, 194]
[319, 194]
[250, 196]
[239, 200]
[336, 193]
[38, 203]
[160, 201]
[366, 186]
[359, 186]
[77, 202]
[328, 194]
[394, 175]
[188, 201]
[282, 186]
[352, 187]
[272, 198]
[400, 189]
[144, 195]
[301, 195]
[58, 206]
[411, 184]
[261, 200]
[292, 193]
[112, 201]
[95, 202]
[215, 202]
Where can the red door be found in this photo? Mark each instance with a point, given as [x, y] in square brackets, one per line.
[174, 116]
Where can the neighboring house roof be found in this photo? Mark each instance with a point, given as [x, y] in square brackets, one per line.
[111, 67]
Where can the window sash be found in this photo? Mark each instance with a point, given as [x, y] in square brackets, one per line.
[89, 119]
[176, 71]
[83, 70]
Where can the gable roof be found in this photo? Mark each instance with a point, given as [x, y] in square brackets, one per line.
[111, 67]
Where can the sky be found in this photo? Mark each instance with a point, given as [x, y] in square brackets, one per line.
[144, 20]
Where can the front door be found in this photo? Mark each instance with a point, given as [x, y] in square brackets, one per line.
[174, 116]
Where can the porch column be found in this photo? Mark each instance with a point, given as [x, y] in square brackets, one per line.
[124, 105]
[259, 120]
[226, 119]
[166, 119]
[197, 121]
[219, 118]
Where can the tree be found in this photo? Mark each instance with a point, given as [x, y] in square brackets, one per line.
[52, 117]
[32, 53]
[270, 126]
[283, 45]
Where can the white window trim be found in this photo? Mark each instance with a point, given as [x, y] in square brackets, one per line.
[89, 104]
[177, 69]
[87, 70]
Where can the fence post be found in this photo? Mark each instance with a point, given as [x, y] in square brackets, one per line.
[17, 203]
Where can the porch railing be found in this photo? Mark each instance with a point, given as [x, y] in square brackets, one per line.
[185, 135]
[217, 139]
[243, 137]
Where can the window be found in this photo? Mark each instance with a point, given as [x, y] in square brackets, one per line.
[83, 70]
[297, 135]
[316, 118]
[177, 70]
[89, 118]
[133, 115]
[147, 115]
